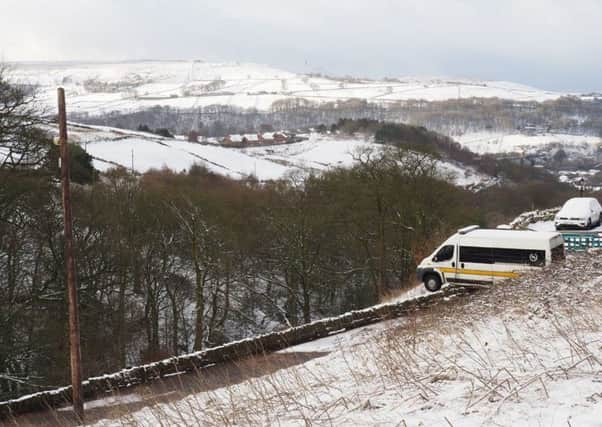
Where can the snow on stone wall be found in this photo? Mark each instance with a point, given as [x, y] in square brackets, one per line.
[526, 218]
[267, 343]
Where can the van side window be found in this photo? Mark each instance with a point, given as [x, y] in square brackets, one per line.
[502, 255]
[519, 256]
[476, 254]
[444, 254]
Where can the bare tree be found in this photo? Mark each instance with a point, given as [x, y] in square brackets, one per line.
[21, 141]
[202, 240]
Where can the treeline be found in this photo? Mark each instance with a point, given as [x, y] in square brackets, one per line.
[451, 117]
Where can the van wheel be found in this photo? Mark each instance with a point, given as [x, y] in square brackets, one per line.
[432, 282]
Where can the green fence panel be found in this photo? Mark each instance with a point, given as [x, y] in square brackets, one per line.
[582, 241]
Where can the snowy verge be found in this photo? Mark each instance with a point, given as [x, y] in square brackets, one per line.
[98, 386]
[527, 352]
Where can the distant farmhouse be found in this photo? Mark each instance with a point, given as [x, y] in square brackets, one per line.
[260, 139]
[533, 129]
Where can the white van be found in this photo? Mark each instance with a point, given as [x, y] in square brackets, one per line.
[481, 256]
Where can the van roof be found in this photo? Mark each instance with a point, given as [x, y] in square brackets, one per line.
[502, 234]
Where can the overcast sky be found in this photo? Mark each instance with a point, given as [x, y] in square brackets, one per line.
[551, 44]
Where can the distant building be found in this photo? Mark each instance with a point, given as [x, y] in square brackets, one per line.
[235, 140]
[193, 136]
[266, 138]
[280, 137]
[532, 130]
[251, 139]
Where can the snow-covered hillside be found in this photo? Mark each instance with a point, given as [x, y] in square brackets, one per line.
[115, 147]
[129, 86]
[524, 353]
[497, 142]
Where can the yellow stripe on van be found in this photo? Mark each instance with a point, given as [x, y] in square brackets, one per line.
[509, 274]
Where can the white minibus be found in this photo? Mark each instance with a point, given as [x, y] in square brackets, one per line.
[475, 256]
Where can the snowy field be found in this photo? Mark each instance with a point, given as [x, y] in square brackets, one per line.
[115, 147]
[496, 143]
[527, 353]
[128, 86]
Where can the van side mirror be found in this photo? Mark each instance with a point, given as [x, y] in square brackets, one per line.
[435, 259]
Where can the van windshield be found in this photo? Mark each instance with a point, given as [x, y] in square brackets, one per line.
[444, 254]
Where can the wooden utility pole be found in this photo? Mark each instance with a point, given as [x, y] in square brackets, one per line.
[75, 353]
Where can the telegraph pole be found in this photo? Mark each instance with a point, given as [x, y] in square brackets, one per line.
[75, 353]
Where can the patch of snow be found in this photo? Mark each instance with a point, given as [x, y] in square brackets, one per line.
[542, 226]
[466, 176]
[107, 402]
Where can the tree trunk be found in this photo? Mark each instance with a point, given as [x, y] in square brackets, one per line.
[199, 297]
[200, 310]
[291, 301]
[121, 335]
[306, 300]
[174, 331]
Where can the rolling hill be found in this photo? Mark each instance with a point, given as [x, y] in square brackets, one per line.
[97, 88]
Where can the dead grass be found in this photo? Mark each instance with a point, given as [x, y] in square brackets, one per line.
[488, 350]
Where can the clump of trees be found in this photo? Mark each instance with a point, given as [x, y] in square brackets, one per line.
[20, 139]
[164, 132]
[421, 140]
[171, 262]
